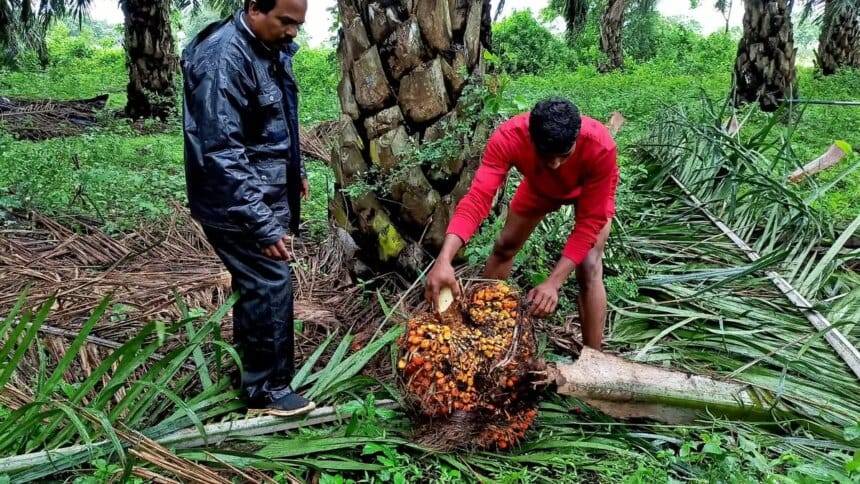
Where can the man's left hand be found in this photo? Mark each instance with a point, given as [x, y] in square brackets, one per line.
[306, 189]
[543, 299]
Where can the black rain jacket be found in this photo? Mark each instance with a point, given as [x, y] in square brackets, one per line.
[243, 164]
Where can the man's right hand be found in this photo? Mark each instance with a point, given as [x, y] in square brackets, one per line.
[279, 250]
[441, 276]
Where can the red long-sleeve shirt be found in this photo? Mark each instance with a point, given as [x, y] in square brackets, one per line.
[589, 177]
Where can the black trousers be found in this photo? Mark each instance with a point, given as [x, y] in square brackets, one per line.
[263, 316]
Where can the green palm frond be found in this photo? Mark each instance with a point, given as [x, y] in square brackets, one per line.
[221, 7]
[815, 9]
[723, 316]
[78, 9]
[88, 419]
[127, 387]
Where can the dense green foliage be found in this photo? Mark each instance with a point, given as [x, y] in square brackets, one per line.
[118, 173]
[128, 176]
[527, 47]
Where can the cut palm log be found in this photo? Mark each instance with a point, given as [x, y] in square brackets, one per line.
[616, 122]
[836, 153]
[733, 126]
[623, 389]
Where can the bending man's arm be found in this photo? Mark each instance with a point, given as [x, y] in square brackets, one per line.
[472, 210]
[596, 206]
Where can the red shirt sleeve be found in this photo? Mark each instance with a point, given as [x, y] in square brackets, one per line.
[596, 205]
[476, 204]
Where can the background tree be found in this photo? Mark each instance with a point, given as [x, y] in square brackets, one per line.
[222, 7]
[611, 35]
[24, 25]
[407, 147]
[641, 23]
[9, 30]
[150, 57]
[575, 13]
[725, 7]
[150, 54]
[765, 68]
[499, 8]
[839, 41]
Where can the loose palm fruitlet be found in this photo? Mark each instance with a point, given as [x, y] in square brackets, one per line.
[466, 372]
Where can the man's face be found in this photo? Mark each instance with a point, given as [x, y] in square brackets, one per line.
[553, 162]
[280, 25]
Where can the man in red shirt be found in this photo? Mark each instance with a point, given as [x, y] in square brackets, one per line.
[565, 159]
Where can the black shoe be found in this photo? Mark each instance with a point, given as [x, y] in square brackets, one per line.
[284, 403]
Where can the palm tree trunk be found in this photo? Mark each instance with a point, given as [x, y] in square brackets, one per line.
[404, 66]
[575, 15]
[765, 67]
[839, 43]
[150, 58]
[727, 13]
[626, 390]
[611, 29]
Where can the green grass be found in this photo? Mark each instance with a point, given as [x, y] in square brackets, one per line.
[123, 178]
[130, 178]
[114, 173]
[643, 90]
[82, 66]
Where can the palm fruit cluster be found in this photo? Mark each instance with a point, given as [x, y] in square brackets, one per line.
[472, 363]
[509, 431]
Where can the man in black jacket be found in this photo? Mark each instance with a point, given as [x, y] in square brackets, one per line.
[245, 177]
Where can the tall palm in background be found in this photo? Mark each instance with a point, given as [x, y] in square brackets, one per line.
[611, 35]
[725, 7]
[150, 53]
[765, 70]
[575, 13]
[150, 57]
[633, 20]
[839, 41]
[24, 25]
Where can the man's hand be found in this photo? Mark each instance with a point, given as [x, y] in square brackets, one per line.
[306, 189]
[543, 299]
[280, 250]
[441, 275]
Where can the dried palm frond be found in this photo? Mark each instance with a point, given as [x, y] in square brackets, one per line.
[40, 120]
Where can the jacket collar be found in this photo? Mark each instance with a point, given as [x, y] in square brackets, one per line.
[245, 30]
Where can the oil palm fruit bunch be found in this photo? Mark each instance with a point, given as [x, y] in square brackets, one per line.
[466, 370]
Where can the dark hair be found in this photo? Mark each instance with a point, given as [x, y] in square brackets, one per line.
[264, 6]
[554, 125]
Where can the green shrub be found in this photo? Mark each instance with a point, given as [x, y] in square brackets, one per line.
[649, 36]
[317, 73]
[527, 47]
[82, 64]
